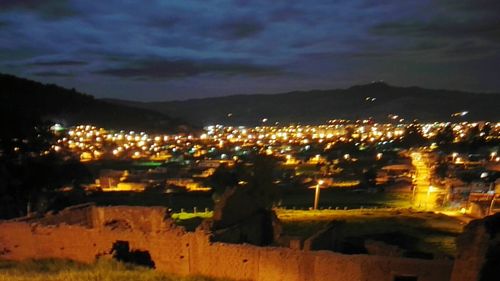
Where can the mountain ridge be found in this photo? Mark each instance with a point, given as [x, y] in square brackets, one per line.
[25, 100]
[377, 100]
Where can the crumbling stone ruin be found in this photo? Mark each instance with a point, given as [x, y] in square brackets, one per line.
[328, 238]
[241, 218]
[149, 237]
[380, 248]
[478, 256]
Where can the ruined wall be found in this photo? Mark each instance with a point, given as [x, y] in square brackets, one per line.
[143, 219]
[248, 262]
[176, 251]
[329, 238]
[74, 215]
[478, 255]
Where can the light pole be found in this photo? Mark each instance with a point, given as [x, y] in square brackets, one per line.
[490, 209]
[316, 194]
[429, 190]
[413, 194]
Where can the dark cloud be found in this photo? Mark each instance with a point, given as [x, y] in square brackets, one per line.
[441, 28]
[164, 22]
[448, 19]
[239, 29]
[175, 69]
[286, 14]
[430, 45]
[487, 6]
[375, 4]
[50, 9]
[425, 50]
[444, 31]
[259, 45]
[468, 49]
[52, 74]
[329, 56]
[7, 54]
[58, 63]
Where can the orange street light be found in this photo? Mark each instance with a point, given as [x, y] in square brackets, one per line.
[316, 194]
[492, 156]
[429, 190]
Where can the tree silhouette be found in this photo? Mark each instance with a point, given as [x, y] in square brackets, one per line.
[413, 136]
[257, 177]
[261, 179]
[223, 178]
[445, 135]
[29, 172]
[369, 177]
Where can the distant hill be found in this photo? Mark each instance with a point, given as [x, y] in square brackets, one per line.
[376, 100]
[22, 101]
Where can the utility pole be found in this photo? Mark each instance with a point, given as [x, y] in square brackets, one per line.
[316, 194]
[490, 210]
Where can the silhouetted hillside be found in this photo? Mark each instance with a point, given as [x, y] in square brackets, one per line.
[318, 106]
[22, 101]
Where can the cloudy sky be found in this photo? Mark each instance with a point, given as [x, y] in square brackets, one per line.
[179, 49]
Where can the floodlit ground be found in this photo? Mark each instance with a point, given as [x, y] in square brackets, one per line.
[190, 220]
[423, 232]
[103, 270]
[337, 197]
[187, 216]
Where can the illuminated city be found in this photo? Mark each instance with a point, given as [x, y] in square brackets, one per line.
[249, 140]
[295, 147]
[227, 142]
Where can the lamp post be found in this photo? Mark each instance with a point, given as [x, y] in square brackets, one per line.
[316, 194]
[490, 209]
[429, 190]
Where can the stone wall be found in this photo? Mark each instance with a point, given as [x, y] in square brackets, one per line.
[478, 255]
[328, 238]
[176, 251]
[74, 215]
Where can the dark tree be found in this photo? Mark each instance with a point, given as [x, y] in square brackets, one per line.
[369, 177]
[474, 139]
[223, 178]
[413, 136]
[258, 178]
[29, 172]
[441, 169]
[445, 136]
[486, 129]
[261, 180]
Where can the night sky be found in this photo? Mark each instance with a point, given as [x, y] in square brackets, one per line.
[165, 50]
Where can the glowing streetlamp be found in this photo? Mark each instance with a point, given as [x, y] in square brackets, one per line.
[316, 194]
[492, 156]
[492, 203]
[429, 190]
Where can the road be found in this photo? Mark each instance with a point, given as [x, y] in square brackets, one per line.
[424, 195]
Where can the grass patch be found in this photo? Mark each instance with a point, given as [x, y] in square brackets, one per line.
[102, 270]
[190, 221]
[422, 231]
[427, 232]
[337, 197]
[187, 216]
